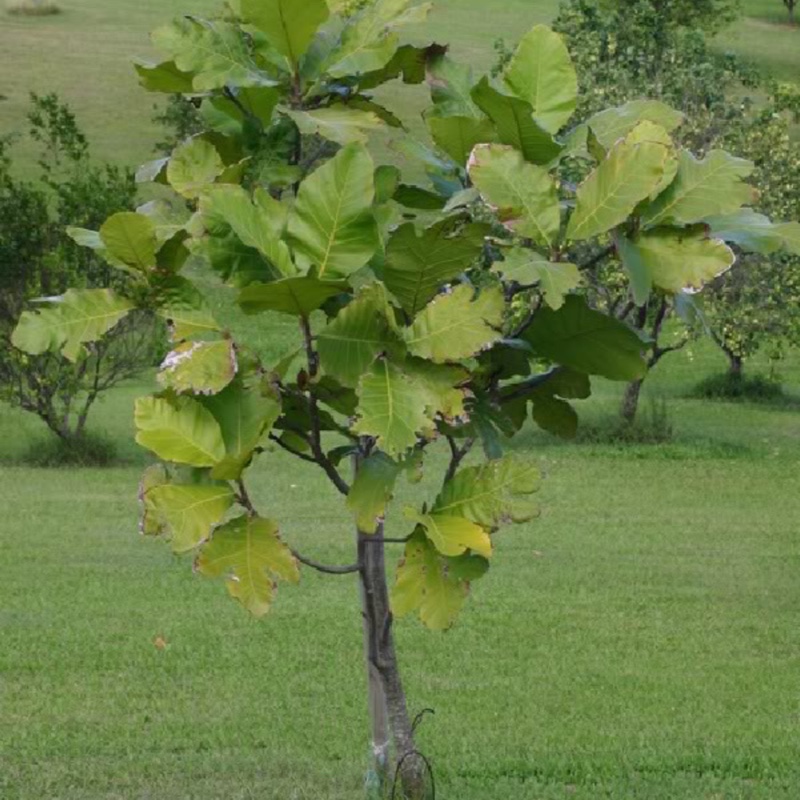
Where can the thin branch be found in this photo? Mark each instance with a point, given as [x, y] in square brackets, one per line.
[457, 455]
[289, 449]
[313, 408]
[326, 568]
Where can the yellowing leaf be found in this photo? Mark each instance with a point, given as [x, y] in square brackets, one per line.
[457, 325]
[332, 227]
[199, 367]
[360, 332]
[425, 582]
[248, 552]
[179, 430]
[675, 260]
[391, 408]
[190, 511]
[491, 494]
[68, 322]
[523, 196]
[193, 168]
[340, 124]
[629, 174]
[131, 238]
[702, 188]
[454, 535]
[527, 267]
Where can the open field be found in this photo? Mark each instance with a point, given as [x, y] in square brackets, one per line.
[637, 642]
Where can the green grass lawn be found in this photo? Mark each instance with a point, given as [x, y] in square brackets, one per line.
[639, 640]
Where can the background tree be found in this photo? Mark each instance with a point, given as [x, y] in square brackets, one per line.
[38, 257]
[791, 5]
[624, 50]
[438, 316]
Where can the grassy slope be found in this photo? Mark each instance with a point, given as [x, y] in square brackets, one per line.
[636, 642]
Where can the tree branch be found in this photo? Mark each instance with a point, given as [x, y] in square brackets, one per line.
[290, 449]
[313, 409]
[597, 258]
[457, 455]
[326, 568]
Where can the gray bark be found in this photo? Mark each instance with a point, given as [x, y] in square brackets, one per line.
[630, 401]
[387, 698]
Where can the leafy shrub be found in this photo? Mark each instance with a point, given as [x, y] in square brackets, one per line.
[39, 258]
[655, 427]
[728, 386]
[33, 8]
[87, 450]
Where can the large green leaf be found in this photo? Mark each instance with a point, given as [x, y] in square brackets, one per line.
[417, 266]
[457, 136]
[579, 337]
[675, 260]
[332, 227]
[179, 429]
[457, 325]
[702, 188]
[368, 42]
[70, 321]
[131, 238]
[351, 342]
[199, 367]
[523, 196]
[443, 385]
[217, 53]
[288, 24]
[189, 511]
[391, 408]
[542, 73]
[454, 535]
[609, 195]
[257, 225]
[513, 119]
[426, 582]
[248, 552]
[298, 296]
[613, 124]
[164, 77]
[193, 167]
[340, 124]
[527, 267]
[372, 490]
[246, 410]
[491, 494]
[185, 309]
[451, 86]
[755, 232]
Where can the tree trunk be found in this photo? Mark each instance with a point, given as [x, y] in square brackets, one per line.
[387, 699]
[735, 365]
[630, 401]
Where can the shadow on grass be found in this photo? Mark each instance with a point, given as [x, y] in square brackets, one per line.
[756, 389]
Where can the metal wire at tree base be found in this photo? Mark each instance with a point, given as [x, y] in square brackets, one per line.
[416, 753]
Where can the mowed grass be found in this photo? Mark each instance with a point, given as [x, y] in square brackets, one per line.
[639, 640]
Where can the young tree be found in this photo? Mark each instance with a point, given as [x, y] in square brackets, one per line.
[791, 5]
[438, 316]
[38, 257]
